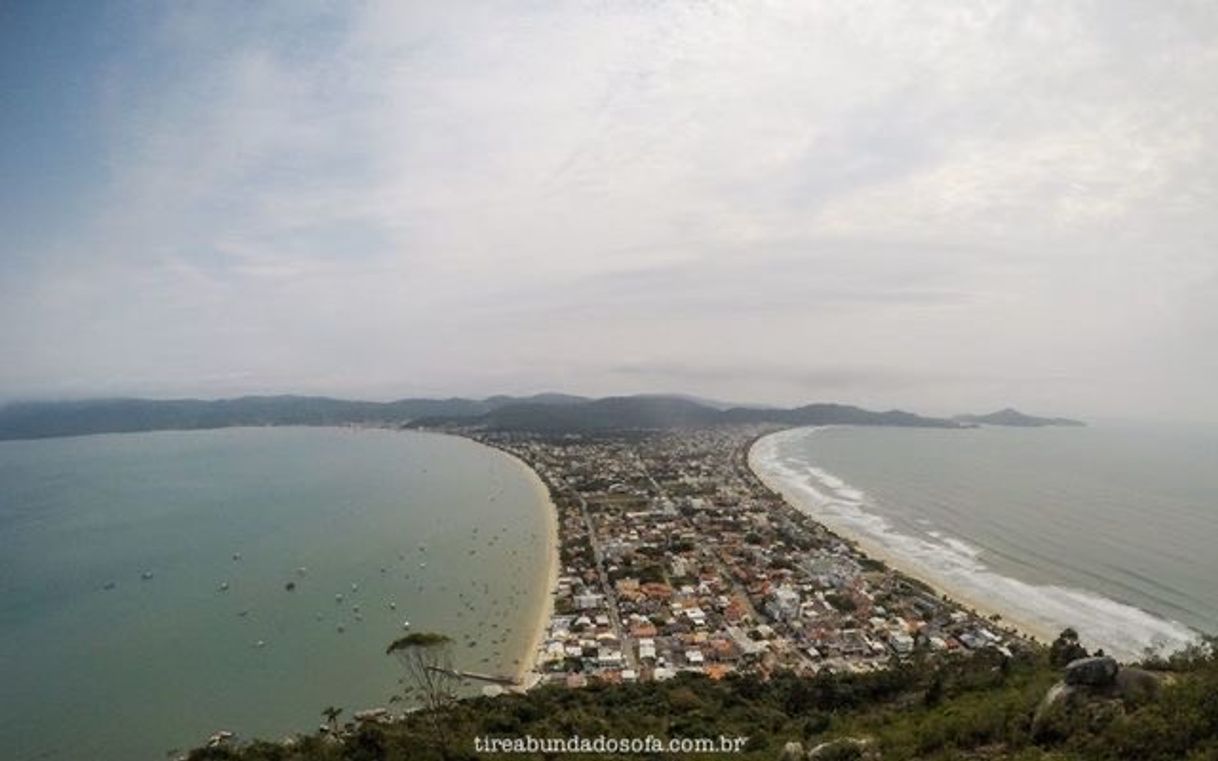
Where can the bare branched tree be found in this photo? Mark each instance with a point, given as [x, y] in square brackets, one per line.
[427, 660]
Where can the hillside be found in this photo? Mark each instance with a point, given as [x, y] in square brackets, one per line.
[1013, 417]
[667, 412]
[970, 709]
[36, 420]
[542, 412]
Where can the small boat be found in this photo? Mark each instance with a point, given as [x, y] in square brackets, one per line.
[224, 586]
[422, 565]
[338, 597]
[260, 643]
[146, 575]
[405, 624]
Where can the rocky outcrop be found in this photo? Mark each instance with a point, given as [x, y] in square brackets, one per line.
[1093, 691]
[1100, 671]
[1139, 685]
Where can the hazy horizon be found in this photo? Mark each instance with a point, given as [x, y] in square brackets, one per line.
[942, 207]
[944, 412]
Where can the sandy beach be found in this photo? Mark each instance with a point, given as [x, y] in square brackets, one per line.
[529, 662]
[1027, 628]
[529, 658]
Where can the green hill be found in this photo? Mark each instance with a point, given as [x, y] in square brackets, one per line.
[541, 412]
[975, 708]
[1015, 418]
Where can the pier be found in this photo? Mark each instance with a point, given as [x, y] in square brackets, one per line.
[505, 681]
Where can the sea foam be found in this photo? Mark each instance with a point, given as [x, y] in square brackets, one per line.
[956, 566]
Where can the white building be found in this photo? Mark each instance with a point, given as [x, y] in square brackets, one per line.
[783, 604]
[588, 600]
[647, 648]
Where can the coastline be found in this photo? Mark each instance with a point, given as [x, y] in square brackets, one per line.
[1028, 629]
[530, 658]
[528, 663]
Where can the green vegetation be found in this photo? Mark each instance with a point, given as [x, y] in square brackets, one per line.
[963, 709]
[1066, 648]
[555, 413]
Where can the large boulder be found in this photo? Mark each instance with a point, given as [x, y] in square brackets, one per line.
[1099, 671]
[1094, 692]
[1067, 708]
[1137, 685]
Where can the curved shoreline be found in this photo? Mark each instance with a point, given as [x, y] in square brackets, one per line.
[530, 658]
[1029, 629]
[1038, 611]
[528, 663]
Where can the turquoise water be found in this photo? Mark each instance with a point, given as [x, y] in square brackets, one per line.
[1111, 529]
[151, 665]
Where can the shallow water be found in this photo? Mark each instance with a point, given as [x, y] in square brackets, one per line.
[155, 664]
[1110, 529]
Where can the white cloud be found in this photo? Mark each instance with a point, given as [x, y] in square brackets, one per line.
[430, 197]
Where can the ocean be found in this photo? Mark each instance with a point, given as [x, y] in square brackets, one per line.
[1110, 529]
[144, 579]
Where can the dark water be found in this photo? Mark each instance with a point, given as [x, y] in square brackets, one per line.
[1111, 529]
[132, 672]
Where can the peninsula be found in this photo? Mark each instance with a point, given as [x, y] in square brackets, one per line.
[692, 602]
[1015, 418]
[675, 558]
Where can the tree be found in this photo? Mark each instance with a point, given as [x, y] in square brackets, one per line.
[331, 713]
[427, 659]
[1065, 649]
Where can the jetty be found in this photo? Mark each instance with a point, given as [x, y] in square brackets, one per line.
[506, 681]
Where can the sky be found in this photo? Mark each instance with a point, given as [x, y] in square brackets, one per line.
[939, 206]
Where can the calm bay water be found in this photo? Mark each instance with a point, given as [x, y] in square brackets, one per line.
[451, 533]
[1110, 529]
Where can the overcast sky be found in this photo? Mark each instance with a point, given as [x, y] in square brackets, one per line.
[938, 206]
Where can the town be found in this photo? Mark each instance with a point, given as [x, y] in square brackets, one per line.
[675, 557]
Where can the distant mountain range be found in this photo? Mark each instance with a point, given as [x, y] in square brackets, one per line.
[666, 412]
[1016, 418]
[554, 413]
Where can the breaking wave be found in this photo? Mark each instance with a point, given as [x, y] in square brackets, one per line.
[957, 567]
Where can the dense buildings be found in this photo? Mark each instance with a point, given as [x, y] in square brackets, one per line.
[675, 557]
